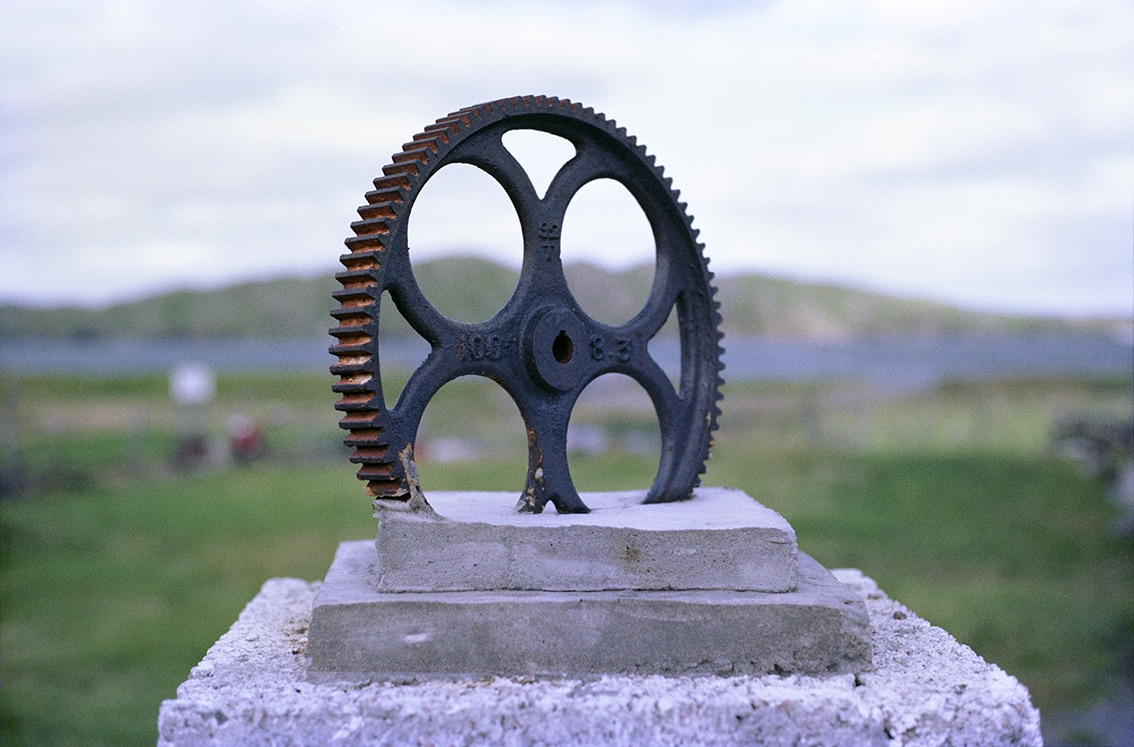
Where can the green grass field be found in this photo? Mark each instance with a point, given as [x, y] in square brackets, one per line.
[118, 569]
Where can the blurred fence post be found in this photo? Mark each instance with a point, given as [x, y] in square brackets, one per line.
[192, 386]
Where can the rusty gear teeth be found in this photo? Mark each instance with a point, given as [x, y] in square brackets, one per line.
[377, 268]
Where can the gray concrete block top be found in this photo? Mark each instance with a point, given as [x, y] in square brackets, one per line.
[719, 539]
[709, 508]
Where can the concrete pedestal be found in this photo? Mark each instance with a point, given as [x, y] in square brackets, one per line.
[711, 585]
[696, 623]
[925, 689]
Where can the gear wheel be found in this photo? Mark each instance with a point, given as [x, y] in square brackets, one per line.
[542, 348]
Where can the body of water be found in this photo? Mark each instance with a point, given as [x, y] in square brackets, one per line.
[911, 361]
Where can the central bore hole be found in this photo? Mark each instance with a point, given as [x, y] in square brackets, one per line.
[562, 347]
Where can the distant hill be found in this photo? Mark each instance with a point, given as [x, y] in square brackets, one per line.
[288, 307]
[473, 289]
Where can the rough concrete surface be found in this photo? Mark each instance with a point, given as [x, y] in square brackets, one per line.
[719, 539]
[925, 689]
[358, 631]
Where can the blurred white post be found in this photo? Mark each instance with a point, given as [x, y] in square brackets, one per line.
[192, 386]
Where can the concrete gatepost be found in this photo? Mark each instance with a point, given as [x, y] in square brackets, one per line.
[691, 623]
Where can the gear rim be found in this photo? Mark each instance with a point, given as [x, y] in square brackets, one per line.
[379, 264]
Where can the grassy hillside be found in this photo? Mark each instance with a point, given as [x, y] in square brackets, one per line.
[762, 305]
[472, 289]
[287, 307]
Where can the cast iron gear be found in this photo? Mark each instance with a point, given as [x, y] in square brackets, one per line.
[541, 347]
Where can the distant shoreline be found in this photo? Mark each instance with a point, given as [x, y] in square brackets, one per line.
[886, 361]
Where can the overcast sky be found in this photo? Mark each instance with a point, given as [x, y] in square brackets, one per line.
[975, 151]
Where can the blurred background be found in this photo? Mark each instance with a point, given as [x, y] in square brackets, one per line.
[921, 218]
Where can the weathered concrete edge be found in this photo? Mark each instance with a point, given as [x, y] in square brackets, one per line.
[358, 632]
[420, 556]
[925, 689]
[721, 538]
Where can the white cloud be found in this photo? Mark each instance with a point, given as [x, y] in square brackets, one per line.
[954, 149]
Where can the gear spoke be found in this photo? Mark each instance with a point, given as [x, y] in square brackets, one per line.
[421, 314]
[648, 322]
[549, 479]
[587, 166]
[487, 151]
[423, 384]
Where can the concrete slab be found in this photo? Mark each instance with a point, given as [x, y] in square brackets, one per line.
[925, 689]
[719, 539]
[361, 633]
